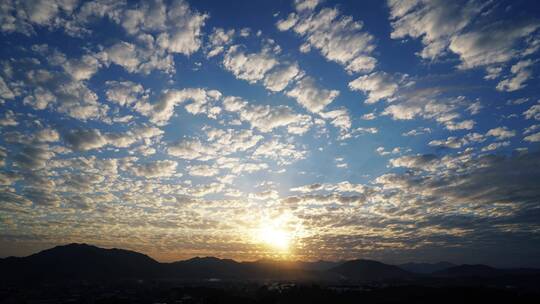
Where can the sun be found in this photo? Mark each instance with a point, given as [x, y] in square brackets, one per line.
[274, 233]
[275, 237]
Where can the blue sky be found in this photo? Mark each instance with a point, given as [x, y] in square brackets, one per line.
[399, 130]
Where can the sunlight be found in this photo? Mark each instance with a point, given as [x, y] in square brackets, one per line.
[275, 237]
[272, 233]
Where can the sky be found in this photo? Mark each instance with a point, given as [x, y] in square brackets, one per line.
[396, 131]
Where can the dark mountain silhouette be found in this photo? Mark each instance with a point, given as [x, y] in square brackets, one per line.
[367, 270]
[80, 261]
[318, 265]
[206, 268]
[425, 268]
[86, 262]
[470, 271]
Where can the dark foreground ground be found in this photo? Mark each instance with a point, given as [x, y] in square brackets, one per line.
[175, 292]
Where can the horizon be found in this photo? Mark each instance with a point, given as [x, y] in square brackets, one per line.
[271, 259]
[279, 259]
[395, 131]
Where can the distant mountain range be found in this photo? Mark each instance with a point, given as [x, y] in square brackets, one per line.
[87, 262]
[425, 268]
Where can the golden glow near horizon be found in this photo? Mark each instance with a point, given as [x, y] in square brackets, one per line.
[275, 234]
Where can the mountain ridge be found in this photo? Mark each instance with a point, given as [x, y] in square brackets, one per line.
[88, 262]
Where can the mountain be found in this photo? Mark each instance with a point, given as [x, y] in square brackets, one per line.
[318, 265]
[425, 268]
[79, 261]
[206, 268]
[87, 262]
[470, 271]
[368, 270]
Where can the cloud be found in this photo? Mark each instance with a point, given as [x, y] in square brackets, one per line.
[220, 143]
[492, 45]
[521, 75]
[501, 133]
[284, 153]
[266, 118]
[495, 146]
[184, 29]
[456, 26]
[251, 67]
[47, 135]
[218, 40]
[83, 140]
[378, 85]
[89, 139]
[427, 162]
[429, 103]
[124, 93]
[312, 98]
[83, 68]
[456, 142]
[5, 91]
[161, 111]
[417, 131]
[46, 88]
[340, 119]
[533, 112]
[203, 170]
[436, 22]
[160, 168]
[33, 156]
[535, 137]
[24, 16]
[338, 38]
[139, 58]
[279, 78]
[9, 119]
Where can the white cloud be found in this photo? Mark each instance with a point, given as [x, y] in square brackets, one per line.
[280, 77]
[266, 118]
[88, 139]
[83, 68]
[23, 16]
[161, 111]
[184, 29]
[311, 97]
[456, 142]
[495, 146]
[283, 153]
[378, 85]
[33, 156]
[8, 120]
[218, 40]
[5, 91]
[417, 131]
[203, 170]
[47, 135]
[220, 143]
[436, 22]
[491, 45]
[533, 112]
[535, 137]
[449, 26]
[339, 38]
[340, 119]
[160, 168]
[249, 66]
[501, 133]
[123, 93]
[521, 75]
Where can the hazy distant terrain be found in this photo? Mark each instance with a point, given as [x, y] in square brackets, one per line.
[84, 272]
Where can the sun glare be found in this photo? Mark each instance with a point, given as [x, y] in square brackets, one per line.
[275, 233]
[275, 237]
